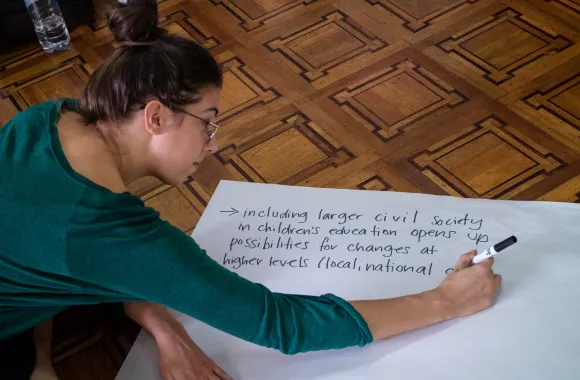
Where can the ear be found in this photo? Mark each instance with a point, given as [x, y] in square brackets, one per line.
[155, 117]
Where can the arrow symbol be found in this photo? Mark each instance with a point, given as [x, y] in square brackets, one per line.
[233, 211]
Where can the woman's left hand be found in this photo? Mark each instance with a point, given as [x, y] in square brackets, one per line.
[181, 359]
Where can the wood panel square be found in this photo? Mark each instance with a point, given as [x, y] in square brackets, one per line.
[254, 13]
[235, 92]
[551, 103]
[365, 172]
[554, 107]
[569, 100]
[501, 45]
[243, 88]
[7, 111]
[396, 98]
[66, 84]
[419, 14]
[420, 9]
[181, 24]
[288, 151]
[375, 183]
[569, 191]
[27, 52]
[333, 44]
[283, 156]
[175, 206]
[488, 151]
[67, 80]
[325, 45]
[488, 160]
[561, 100]
[570, 6]
[143, 186]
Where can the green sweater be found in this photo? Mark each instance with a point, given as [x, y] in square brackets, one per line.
[68, 241]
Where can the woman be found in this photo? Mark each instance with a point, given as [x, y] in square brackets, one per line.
[72, 234]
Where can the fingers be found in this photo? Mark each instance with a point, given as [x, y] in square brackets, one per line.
[166, 374]
[222, 374]
[498, 280]
[487, 263]
[464, 260]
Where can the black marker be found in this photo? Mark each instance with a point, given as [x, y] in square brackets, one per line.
[492, 251]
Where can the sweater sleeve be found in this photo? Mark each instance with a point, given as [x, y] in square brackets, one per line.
[124, 247]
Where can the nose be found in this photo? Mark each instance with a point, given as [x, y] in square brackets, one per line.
[211, 147]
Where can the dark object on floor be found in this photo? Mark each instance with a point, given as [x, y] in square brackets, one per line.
[18, 356]
[16, 26]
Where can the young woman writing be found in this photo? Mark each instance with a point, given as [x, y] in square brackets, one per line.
[71, 233]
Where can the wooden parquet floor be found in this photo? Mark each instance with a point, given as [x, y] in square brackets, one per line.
[470, 98]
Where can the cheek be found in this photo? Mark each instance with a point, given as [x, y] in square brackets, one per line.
[170, 152]
[187, 148]
[176, 153]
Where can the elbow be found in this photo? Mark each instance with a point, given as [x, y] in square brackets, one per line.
[286, 345]
[290, 350]
[289, 343]
[299, 341]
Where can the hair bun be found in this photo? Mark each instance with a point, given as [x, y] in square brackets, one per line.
[135, 21]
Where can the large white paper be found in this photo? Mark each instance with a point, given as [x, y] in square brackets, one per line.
[530, 333]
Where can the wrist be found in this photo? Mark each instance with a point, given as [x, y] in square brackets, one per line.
[166, 332]
[154, 318]
[392, 316]
[441, 308]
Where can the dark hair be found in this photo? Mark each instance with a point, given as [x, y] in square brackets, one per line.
[150, 64]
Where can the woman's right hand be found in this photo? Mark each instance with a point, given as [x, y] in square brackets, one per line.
[469, 288]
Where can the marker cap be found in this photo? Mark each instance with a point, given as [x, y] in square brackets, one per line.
[504, 244]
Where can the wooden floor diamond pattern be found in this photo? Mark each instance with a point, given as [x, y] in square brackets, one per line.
[325, 45]
[488, 161]
[504, 44]
[470, 98]
[396, 98]
[418, 15]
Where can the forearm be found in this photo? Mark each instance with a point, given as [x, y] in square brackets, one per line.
[384, 318]
[154, 318]
[393, 316]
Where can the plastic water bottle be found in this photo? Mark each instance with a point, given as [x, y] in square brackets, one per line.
[49, 24]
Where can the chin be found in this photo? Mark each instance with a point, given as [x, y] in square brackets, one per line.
[171, 180]
[183, 178]
[175, 178]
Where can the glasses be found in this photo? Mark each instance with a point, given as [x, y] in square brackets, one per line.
[210, 133]
[214, 127]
